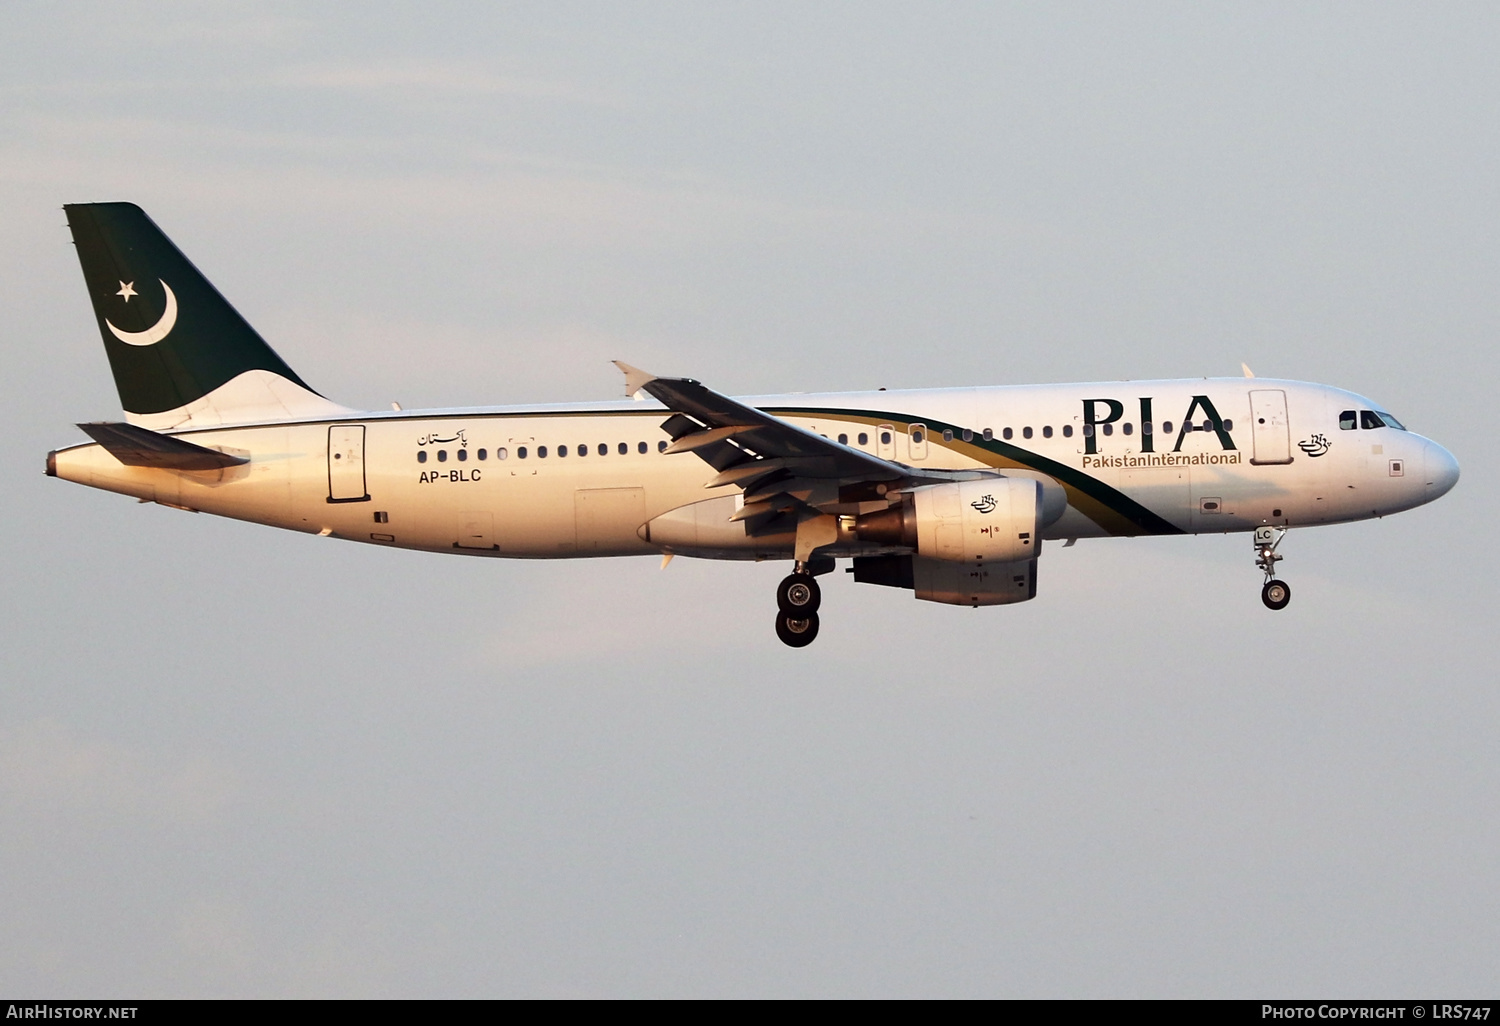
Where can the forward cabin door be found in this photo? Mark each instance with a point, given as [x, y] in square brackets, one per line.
[346, 463]
[1268, 420]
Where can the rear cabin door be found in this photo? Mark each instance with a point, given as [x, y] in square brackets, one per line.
[1268, 420]
[346, 463]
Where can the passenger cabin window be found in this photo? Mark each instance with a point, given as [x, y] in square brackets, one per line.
[521, 453]
[864, 439]
[541, 452]
[843, 439]
[442, 455]
[948, 434]
[603, 448]
[463, 455]
[1067, 430]
[421, 455]
[968, 435]
[1026, 432]
[1369, 421]
[661, 446]
[1007, 434]
[1166, 426]
[1125, 429]
[500, 454]
[562, 450]
[482, 455]
[989, 434]
[885, 438]
[1229, 425]
[1047, 431]
[1109, 429]
[640, 447]
[583, 450]
[624, 448]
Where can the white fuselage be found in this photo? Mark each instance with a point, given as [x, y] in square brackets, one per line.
[457, 480]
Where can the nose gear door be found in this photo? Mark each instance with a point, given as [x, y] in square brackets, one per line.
[1269, 426]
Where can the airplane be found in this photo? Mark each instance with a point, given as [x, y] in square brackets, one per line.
[947, 493]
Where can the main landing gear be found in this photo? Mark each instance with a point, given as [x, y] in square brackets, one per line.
[797, 601]
[1274, 593]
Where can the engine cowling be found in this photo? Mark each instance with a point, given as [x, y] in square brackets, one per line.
[977, 584]
[993, 519]
[996, 520]
[950, 581]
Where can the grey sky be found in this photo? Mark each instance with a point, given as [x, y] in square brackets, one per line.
[235, 761]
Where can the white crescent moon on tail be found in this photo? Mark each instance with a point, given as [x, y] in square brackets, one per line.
[157, 331]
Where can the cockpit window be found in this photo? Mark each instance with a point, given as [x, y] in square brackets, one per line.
[1370, 420]
[1347, 421]
[1390, 421]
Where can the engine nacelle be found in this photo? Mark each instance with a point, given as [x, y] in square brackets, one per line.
[996, 520]
[977, 584]
[992, 519]
[950, 581]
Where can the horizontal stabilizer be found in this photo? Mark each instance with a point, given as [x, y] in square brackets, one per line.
[138, 447]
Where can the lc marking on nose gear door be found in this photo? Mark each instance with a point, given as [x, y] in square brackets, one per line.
[1317, 445]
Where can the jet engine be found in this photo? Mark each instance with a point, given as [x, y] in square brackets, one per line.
[994, 519]
[975, 542]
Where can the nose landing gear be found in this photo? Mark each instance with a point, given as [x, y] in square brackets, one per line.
[797, 600]
[1274, 593]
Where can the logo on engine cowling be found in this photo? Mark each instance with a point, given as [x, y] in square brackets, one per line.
[986, 504]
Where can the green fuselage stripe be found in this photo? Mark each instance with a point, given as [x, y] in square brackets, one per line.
[1110, 508]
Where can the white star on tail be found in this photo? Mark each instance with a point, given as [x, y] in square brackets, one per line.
[127, 289]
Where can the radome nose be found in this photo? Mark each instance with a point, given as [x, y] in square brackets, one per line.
[1441, 471]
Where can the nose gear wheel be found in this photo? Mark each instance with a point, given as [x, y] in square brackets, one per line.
[1276, 594]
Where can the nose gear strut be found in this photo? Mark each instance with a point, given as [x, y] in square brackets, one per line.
[1274, 593]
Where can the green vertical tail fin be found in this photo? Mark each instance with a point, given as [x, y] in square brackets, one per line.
[172, 339]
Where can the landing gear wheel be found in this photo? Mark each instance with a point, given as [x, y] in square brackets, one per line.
[1276, 594]
[797, 631]
[799, 595]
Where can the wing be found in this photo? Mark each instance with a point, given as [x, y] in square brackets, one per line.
[784, 470]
